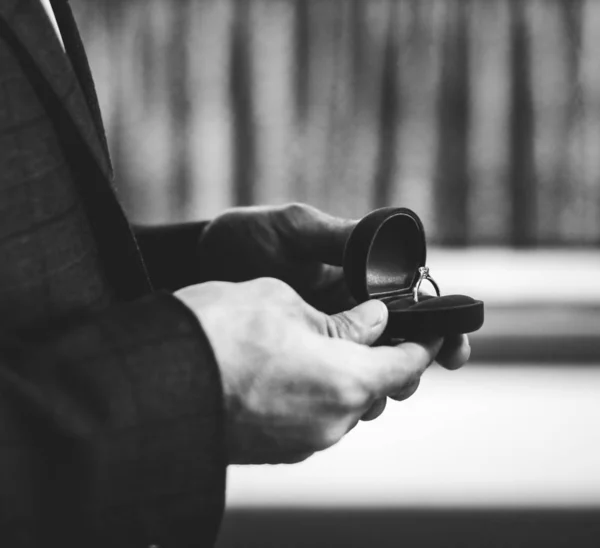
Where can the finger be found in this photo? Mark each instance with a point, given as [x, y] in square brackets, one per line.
[316, 234]
[455, 352]
[394, 369]
[375, 410]
[331, 294]
[407, 392]
[329, 276]
[291, 458]
[362, 324]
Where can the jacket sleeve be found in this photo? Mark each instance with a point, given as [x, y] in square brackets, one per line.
[111, 431]
[170, 253]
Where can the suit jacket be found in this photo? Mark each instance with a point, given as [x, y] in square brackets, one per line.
[111, 420]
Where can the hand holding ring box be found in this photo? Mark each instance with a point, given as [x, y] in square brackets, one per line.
[385, 259]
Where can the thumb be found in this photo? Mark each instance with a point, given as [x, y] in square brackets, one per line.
[363, 324]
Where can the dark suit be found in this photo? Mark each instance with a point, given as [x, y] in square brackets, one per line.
[111, 430]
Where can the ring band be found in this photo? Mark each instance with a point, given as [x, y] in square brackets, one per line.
[424, 275]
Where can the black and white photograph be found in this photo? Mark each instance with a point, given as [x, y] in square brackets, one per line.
[300, 273]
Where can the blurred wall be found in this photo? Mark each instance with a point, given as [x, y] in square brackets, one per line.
[483, 115]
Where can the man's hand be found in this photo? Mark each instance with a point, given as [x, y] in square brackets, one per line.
[296, 243]
[296, 380]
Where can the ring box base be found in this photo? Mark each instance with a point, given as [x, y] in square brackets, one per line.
[436, 316]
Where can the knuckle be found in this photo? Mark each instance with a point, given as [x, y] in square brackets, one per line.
[375, 410]
[296, 458]
[331, 327]
[403, 370]
[296, 210]
[414, 357]
[353, 398]
[276, 287]
[327, 437]
[412, 378]
[408, 385]
[224, 223]
[406, 392]
[296, 214]
[350, 394]
[341, 326]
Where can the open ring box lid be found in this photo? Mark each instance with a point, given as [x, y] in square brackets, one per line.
[382, 258]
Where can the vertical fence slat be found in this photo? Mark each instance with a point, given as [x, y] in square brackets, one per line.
[272, 51]
[179, 98]
[144, 111]
[522, 169]
[573, 216]
[370, 26]
[550, 86]
[242, 106]
[489, 199]
[420, 27]
[313, 162]
[389, 114]
[210, 125]
[342, 191]
[590, 89]
[452, 177]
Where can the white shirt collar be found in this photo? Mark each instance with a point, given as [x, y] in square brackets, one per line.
[48, 8]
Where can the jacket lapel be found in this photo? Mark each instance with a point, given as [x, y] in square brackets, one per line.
[76, 52]
[30, 25]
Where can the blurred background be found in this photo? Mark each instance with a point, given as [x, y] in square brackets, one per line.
[481, 115]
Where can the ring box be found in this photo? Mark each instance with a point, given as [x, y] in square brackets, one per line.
[383, 259]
